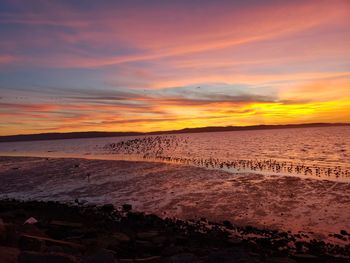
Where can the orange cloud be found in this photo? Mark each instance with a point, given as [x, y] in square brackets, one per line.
[168, 113]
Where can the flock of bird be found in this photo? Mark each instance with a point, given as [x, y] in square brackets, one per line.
[147, 146]
[162, 148]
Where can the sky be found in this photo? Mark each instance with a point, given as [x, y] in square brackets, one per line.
[150, 65]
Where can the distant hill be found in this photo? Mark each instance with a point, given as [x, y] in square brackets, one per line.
[60, 136]
[246, 128]
[94, 134]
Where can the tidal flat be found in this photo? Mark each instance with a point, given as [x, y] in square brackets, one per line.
[316, 208]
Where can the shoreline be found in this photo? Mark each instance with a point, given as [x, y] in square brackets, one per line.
[77, 232]
[161, 160]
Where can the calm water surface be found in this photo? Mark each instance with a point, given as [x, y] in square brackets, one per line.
[326, 149]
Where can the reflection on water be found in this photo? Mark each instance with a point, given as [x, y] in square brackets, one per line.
[322, 153]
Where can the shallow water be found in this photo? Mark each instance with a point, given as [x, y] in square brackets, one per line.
[320, 153]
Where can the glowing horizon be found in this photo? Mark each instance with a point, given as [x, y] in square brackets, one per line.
[165, 65]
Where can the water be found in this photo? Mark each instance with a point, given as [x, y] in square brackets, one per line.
[319, 153]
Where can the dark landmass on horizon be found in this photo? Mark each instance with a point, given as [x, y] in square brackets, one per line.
[97, 134]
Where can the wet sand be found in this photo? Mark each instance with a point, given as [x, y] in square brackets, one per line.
[169, 190]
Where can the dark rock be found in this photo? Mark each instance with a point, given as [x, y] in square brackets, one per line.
[234, 241]
[127, 207]
[2, 231]
[121, 237]
[181, 240]
[89, 234]
[159, 240]
[172, 250]
[152, 259]
[344, 233]
[9, 254]
[65, 224]
[55, 249]
[31, 243]
[140, 237]
[37, 243]
[306, 258]
[35, 257]
[102, 255]
[227, 224]
[281, 260]
[231, 256]
[64, 250]
[339, 237]
[183, 258]
[108, 208]
[31, 229]
[11, 234]
[147, 235]
[143, 244]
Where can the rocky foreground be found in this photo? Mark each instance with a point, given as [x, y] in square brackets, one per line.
[53, 232]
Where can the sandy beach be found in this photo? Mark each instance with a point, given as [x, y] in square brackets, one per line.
[319, 208]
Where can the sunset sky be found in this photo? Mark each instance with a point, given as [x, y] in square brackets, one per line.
[159, 65]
